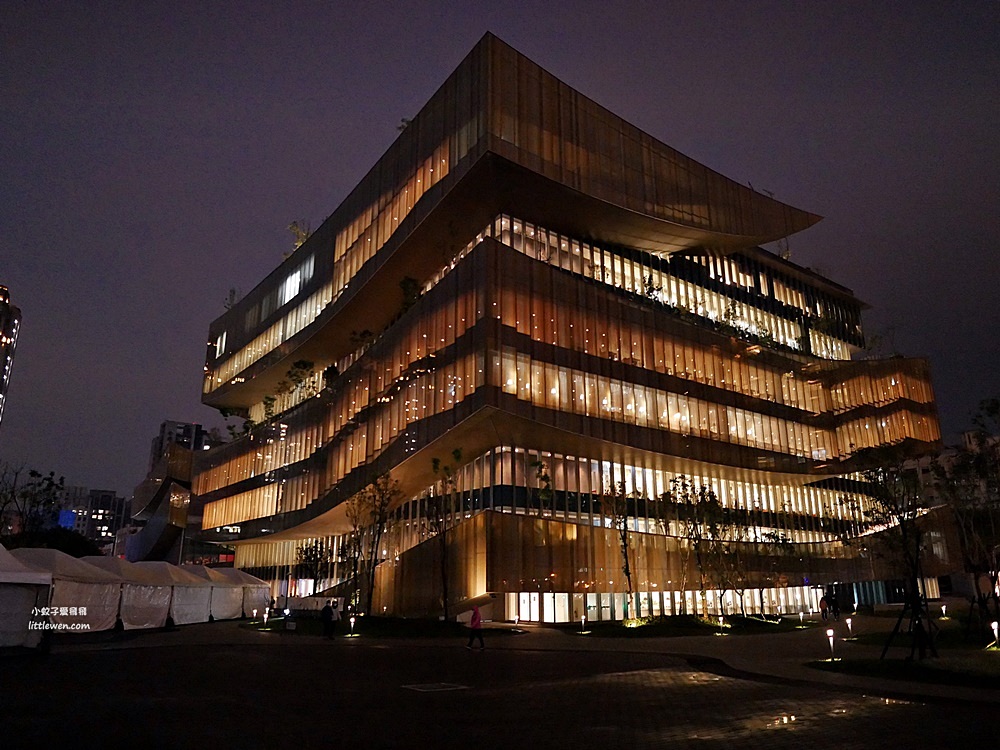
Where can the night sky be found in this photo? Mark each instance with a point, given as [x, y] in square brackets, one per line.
[152, 156]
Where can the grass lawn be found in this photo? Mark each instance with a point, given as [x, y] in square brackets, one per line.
[377, 627]
[981, 672]
[685, 625]
[946, 638]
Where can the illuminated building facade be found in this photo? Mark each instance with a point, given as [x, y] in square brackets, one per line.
[10, 322]
[554, 304]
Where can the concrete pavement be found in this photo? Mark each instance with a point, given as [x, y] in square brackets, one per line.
[782, 656]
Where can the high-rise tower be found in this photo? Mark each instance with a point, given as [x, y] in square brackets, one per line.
[10, 322]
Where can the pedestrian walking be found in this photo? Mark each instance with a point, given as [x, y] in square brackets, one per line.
[834, 607]
[823, 607]
[476, 629]
[327, 616]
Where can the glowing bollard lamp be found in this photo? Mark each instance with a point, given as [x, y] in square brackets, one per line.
[850, 631]
[996, 637]
[801, 617]
[583, 624]
[829, 634]
[352, 626]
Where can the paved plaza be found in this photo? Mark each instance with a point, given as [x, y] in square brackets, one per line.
[219, 685]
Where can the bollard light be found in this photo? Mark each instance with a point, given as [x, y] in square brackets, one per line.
[255, 614]
[850, 632]
[583, 623]
[801, 615]
[517, 619]
[265, 617]
[944, 610]
[829, 634]
[995, 624]
[287, 611]
[352, 625]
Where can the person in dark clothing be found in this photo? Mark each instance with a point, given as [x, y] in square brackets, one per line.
[834, 606]
[476, 629]
[329, 623]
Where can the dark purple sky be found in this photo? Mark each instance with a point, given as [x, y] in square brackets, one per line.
[153, 155]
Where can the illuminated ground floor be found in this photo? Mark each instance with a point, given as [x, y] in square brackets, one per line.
[529, 537]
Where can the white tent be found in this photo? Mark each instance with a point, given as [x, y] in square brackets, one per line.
[191, 600]
[256, 593]
[22, 590]
[227, 595]
[145, 597]
[84, 598]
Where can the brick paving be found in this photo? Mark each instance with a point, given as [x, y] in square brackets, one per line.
[217, 685]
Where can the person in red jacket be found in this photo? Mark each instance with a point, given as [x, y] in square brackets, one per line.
[476, 629]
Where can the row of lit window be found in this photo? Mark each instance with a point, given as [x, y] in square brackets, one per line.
[506, 466]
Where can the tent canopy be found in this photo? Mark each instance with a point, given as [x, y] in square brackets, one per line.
[171, 575]
[130, 572]
[216, 577]
[13, 570]
[63, 567]
[238, 576]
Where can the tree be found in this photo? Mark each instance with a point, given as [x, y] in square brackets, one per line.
[894, 506]
[733, 558]
[411, 291]
[438, 513]
[311, 559]
[544, 493]
[376, 500]
[352, 549]
[614, 505]
[297, 375]
[770, 546]
[300, 231]
[232, 297]
[969, 481]
[28, 500]
[699, 513]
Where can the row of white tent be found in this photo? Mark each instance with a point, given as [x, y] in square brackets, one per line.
[45, 588]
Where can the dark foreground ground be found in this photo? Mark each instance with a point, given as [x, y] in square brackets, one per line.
[221, 686]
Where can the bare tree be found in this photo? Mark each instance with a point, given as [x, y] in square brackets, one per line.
[700, 515]
[614, 505]
[894, 506]
[439, 509]
[10, 484]
[311, 559]
[351, 551]
[969, 481]
[377, 498]
[29, 503]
